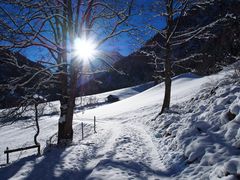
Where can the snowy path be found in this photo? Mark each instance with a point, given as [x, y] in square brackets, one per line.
[128, 153]
[120, 150]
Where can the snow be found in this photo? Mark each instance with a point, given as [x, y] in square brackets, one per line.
[38, 97]
[195, 139]
[62, 119]
[150, 97]
[235, 106]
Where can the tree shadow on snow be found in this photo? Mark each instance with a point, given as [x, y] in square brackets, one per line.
[52, 164]
[10, 170]
[135, 169]
[34, 166]
[54, 161]
[131, 167]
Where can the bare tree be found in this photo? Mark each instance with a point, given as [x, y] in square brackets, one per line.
[170, 10]
[29, 105]
[171, 13]
[54, 26]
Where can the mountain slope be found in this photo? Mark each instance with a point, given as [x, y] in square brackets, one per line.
[194, 140]
[15, 67]
[203, 56]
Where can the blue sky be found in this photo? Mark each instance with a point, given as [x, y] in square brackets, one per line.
[125, 43]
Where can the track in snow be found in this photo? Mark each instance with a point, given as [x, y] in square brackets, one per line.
[127, 153]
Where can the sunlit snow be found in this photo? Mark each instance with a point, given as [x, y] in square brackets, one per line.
[194, 139]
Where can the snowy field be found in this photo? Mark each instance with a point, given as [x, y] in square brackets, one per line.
[20, 134]
[196, 139]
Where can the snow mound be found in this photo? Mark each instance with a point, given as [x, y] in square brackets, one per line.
[229, 170]
[200, 138]
[235, 107]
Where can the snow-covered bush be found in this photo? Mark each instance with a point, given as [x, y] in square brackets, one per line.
[234, 72]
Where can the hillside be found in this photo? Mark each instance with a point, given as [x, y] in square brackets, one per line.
[196, 139]
[203, 56]
[15, 69]
[104, 64]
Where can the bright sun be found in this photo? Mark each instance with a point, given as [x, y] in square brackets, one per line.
[85, 48]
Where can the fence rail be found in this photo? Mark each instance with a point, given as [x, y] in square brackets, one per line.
[8, 151]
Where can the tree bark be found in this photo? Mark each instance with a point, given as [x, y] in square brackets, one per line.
[168, 84]
[65, 131]
[37, 124]
[67, 101]
[168, 68]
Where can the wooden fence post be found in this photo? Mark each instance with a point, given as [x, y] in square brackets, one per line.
[82, 131]
[39, 152]
[7, 155]
[95, 124]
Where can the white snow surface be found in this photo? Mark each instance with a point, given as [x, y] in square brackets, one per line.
[196, 139]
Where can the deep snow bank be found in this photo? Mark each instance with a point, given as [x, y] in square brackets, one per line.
[200, 138]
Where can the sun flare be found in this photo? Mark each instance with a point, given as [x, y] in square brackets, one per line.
[85, 49]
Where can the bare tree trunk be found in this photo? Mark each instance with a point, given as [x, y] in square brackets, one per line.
[65, 135]
[65, 132]
[168, 82]
[37, 125]
[168, 68]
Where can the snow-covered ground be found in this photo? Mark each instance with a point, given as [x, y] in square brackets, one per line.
[20, 134]
[199, 138]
